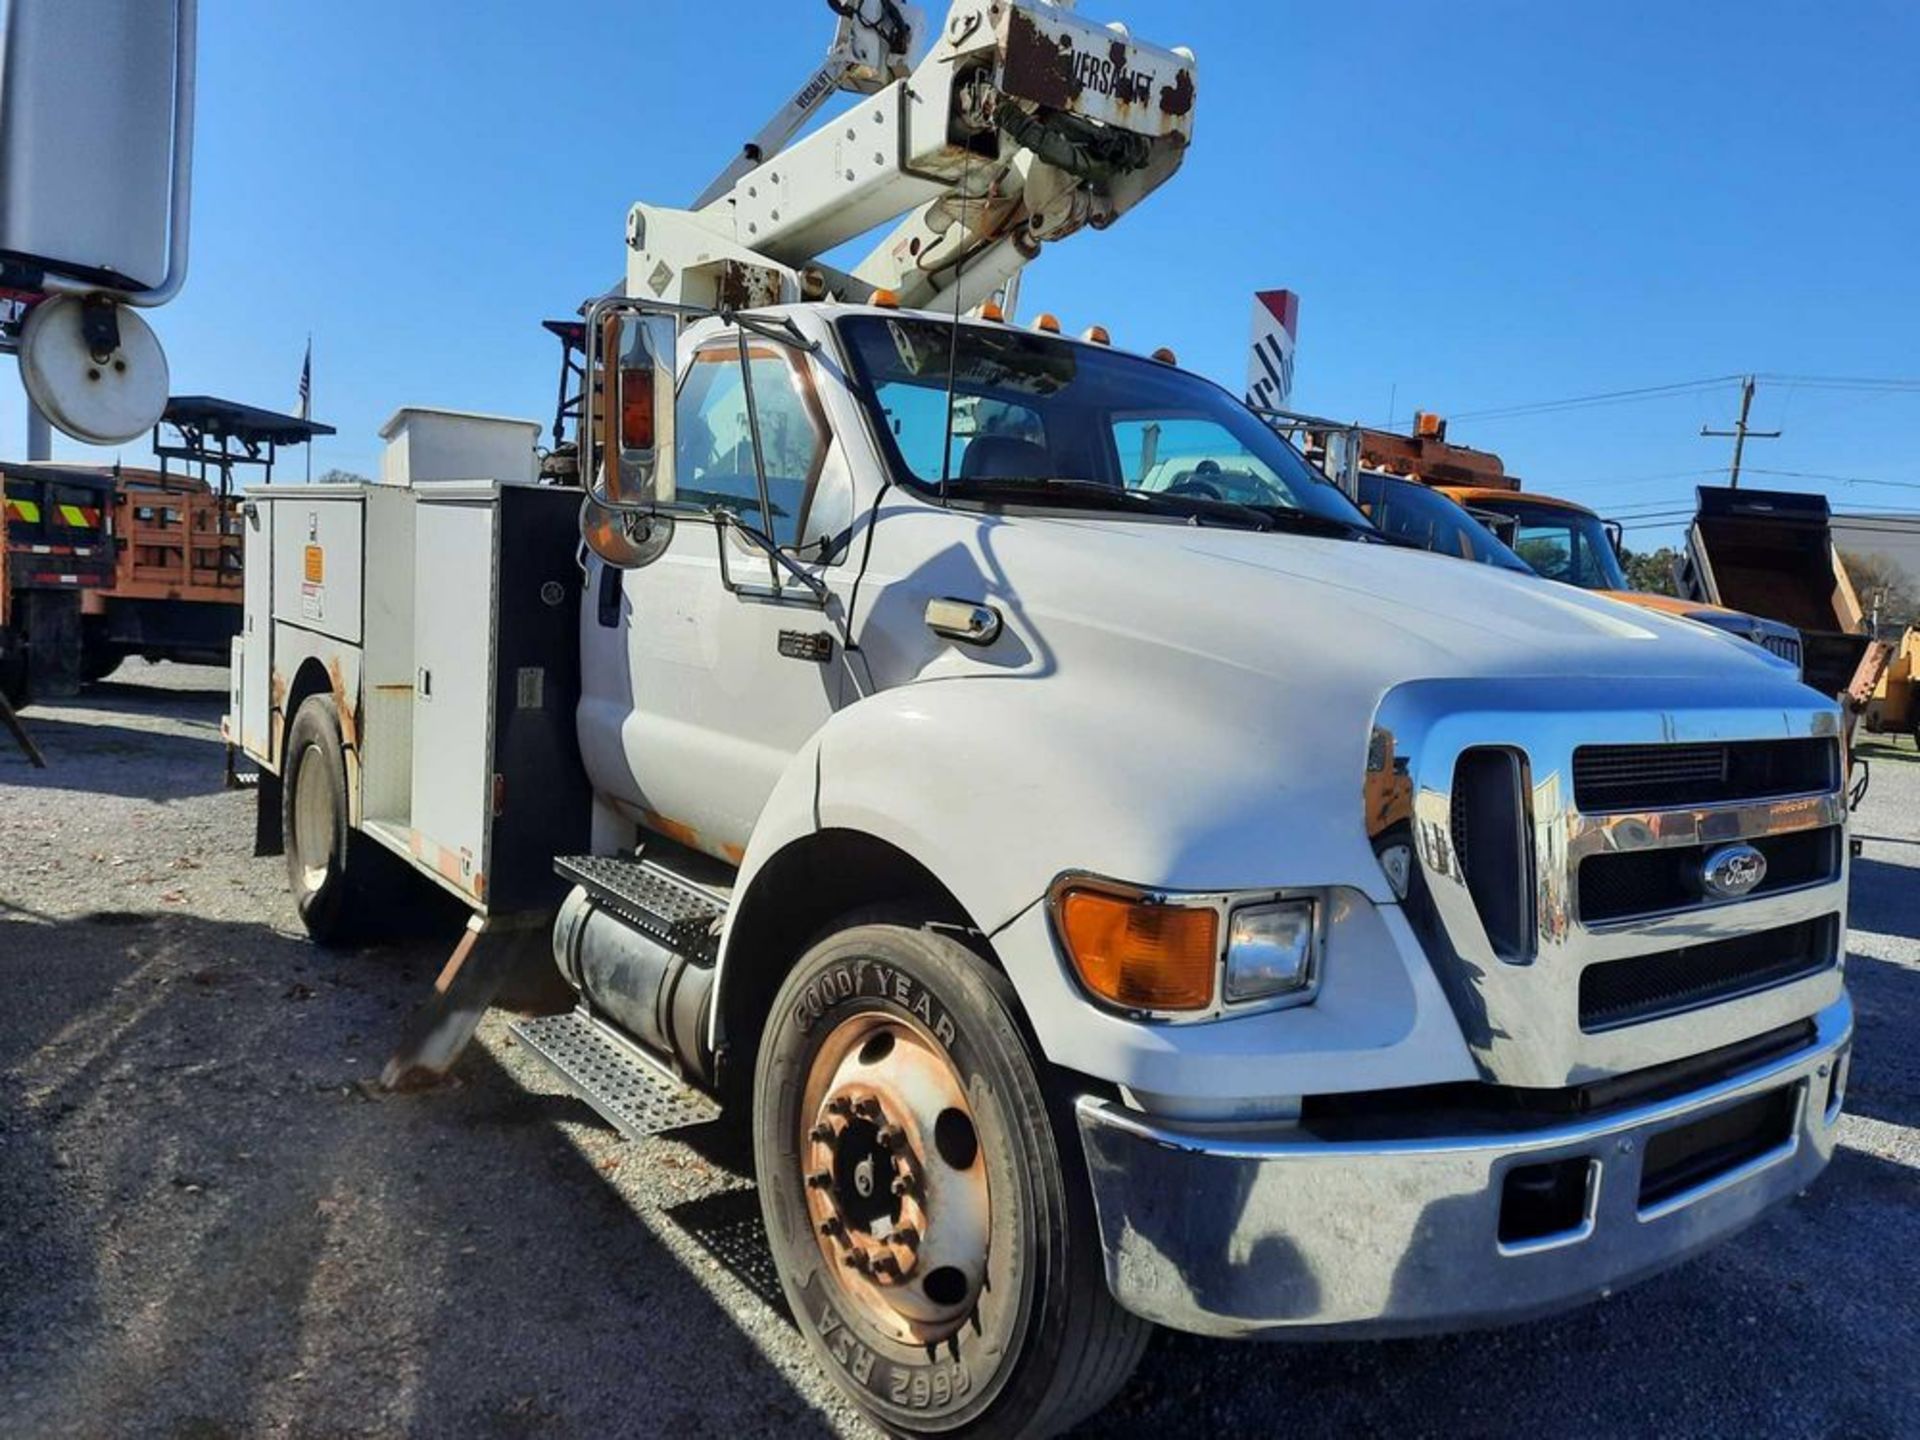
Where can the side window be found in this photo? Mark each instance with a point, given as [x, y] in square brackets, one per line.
[714, 444]
[1548, 549]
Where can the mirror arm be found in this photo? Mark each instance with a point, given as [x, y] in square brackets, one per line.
[812, 584]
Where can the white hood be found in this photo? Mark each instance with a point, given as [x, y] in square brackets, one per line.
[1278, 600]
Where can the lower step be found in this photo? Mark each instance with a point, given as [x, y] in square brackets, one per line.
[630, 1092]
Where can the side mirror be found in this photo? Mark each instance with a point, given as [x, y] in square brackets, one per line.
[631, 432]
[1617, 534]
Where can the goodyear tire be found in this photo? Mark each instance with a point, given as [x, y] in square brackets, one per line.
[341, 883]
[925, 1197]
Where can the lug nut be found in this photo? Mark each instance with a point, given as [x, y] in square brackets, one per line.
[832, 1228]
[903, 1185]
[888, 1266]
[839, 1105]
[907, 1235]
[856, 1260]
[867, 1107]
[821, 1134]
[893, 1137]
[820, 1180]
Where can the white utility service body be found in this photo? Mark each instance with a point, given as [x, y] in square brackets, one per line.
[442, 647]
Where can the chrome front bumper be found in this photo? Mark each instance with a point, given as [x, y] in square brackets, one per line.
[1228, 1231]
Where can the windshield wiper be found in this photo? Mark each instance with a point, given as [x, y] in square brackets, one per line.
[1306, 522]
[1093, 494]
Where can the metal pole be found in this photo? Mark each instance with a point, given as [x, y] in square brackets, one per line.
[39, 434]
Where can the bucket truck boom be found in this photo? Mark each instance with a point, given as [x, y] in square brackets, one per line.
[1022, 124]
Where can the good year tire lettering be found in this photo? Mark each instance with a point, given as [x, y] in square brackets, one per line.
[870, 977]
[924, 1386]
[853, 1357]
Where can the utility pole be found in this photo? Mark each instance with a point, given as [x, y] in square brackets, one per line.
[1740, 432]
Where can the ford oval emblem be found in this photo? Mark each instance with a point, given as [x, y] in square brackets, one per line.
[1733, 871]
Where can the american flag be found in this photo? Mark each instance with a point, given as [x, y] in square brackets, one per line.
[306, 384]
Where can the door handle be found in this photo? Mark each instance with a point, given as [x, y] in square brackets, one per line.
[971, 622]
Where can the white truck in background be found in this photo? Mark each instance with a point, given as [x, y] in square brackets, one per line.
[1107, 903]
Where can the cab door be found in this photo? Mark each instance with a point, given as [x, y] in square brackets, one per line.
[706, 670]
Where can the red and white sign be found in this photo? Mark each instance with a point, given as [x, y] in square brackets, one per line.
[1276, 323]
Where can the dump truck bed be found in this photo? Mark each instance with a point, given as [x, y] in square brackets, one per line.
[1771, 553]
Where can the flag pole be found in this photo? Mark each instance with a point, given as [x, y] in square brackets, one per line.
[306, 401]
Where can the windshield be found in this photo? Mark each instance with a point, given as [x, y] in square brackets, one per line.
[1412, 511]
[1040, 418]
[1562, 544]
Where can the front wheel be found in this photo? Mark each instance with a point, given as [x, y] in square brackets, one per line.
[927, 1205]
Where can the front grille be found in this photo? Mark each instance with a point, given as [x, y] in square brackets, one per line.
[1653, 777]
[1646, 987]
[1787, 647]
[1492, 844]
[1636, 883]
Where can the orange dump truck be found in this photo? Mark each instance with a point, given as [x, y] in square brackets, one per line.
[1772, 552]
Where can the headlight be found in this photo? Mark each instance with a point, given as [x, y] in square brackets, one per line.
[1269, 951]
[1185, 955]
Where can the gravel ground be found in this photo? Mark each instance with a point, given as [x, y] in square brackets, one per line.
[211, 1223]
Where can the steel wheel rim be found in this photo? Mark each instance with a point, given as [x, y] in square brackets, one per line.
[313, 819]
[895, 1181]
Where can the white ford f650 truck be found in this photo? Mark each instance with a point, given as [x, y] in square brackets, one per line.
[1107, 902]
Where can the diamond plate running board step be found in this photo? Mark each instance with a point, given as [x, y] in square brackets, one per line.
[633, 1093]
[658, 903]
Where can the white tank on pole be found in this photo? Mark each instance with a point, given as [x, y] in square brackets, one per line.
[96, 144]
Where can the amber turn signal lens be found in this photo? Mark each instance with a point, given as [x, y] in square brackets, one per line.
[636, 409]
[1142, 956]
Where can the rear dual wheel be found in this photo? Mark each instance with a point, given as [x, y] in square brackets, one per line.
[925, 1198]
[345, 887]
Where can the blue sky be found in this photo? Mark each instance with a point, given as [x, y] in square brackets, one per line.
[1482, 205]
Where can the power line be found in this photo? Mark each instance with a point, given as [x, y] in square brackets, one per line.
[1604, 397]
[1884, 522]
[1836, 479]
[1617, 480]
[1842, 382]
[1869, 384]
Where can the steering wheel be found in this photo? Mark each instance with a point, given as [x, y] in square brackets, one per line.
[1198, 482]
